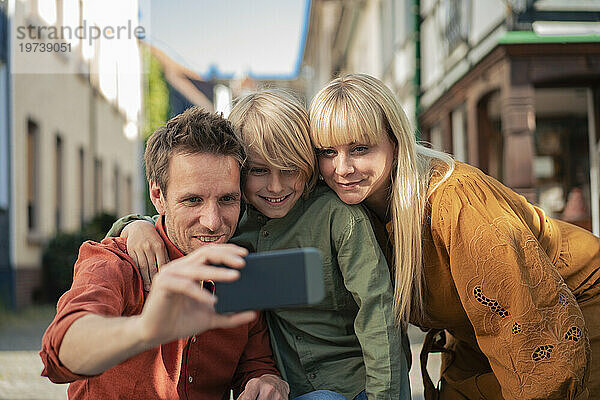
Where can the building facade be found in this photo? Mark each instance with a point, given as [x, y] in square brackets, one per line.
[74, 147]
[511, 87]
[504, 93]
[185, 87]
[5, 223]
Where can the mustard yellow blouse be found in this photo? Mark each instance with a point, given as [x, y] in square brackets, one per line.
[504, 281]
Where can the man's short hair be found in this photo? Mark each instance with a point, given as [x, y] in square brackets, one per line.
[192, 132]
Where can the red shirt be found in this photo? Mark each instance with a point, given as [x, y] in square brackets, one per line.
[205, 366]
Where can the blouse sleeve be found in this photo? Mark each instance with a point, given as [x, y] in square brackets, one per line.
[526, 320]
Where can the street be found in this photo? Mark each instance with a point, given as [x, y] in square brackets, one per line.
[20, 365]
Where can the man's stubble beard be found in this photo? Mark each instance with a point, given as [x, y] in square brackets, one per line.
[170, 231]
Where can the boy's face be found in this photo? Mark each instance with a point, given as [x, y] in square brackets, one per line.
[271, 190]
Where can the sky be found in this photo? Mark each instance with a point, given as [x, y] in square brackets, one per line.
[260, 37]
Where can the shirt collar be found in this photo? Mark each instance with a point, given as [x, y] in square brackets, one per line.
[173, 251]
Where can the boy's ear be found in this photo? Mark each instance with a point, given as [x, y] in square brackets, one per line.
[157, 197]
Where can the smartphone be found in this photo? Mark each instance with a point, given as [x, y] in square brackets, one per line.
[274, 279]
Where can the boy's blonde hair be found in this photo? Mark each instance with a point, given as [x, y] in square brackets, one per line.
[274, 124]
[360, 108]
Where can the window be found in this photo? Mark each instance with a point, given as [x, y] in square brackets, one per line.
[128, 195]
[457, 28]
[81, 188]
[116, 184]
[32, 160]
[387, 32]
[97, 186]
[58, 183]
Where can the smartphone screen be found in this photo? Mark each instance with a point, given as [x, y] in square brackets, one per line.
[274, 279]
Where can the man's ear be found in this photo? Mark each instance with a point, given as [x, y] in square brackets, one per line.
[157, 197]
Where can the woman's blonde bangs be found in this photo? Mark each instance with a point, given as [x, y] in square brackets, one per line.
[338, 117]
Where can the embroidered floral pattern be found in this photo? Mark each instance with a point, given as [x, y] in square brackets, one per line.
[573, 334]
[562, 299]
[542, 352]
[491, 303]
[512, 280]
[516, 328]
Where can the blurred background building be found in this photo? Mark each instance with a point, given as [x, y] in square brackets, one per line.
[185, 87]
[510, 86]
[72, 129]
[4, 152]
[69, 139]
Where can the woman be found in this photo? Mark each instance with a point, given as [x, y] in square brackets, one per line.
[509, 295]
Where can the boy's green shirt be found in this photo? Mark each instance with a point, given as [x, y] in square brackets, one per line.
[348, 342]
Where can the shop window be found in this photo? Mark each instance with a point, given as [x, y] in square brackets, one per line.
[490, 140]
[562, 166]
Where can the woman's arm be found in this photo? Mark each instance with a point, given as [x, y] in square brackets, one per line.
[526, 320]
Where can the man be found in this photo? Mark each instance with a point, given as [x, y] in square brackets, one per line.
[114, 340]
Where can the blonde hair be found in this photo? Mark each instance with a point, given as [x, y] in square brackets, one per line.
[274, 124]
[360, 108]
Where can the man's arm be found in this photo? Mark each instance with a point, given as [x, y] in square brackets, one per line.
[119, 225]
[256, 375]
[266, 387]
[176, 307]
[120, 338]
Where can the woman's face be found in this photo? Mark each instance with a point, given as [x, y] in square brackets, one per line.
[358, 172]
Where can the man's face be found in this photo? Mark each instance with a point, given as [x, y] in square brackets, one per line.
[202, 204]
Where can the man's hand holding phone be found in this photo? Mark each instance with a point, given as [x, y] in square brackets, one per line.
[178, 306]
[272, 279]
